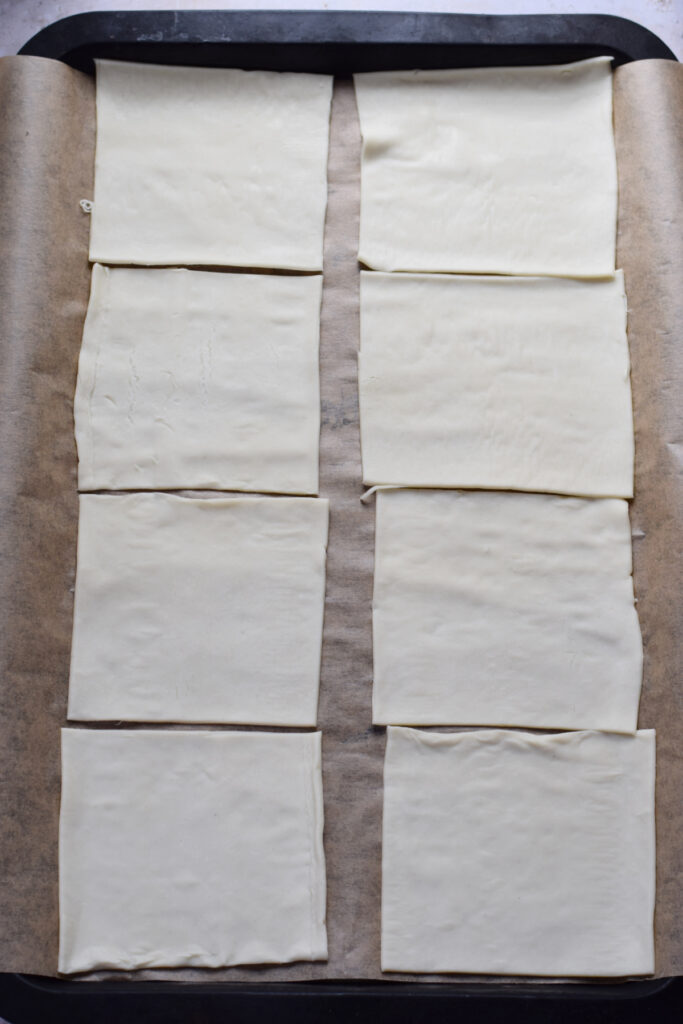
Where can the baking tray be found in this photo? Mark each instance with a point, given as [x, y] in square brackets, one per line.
[338, 43]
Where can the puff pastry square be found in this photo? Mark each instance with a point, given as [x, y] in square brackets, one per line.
[198, 849]
[197, 379]
[212, 166]
[496, 382]
[495, 608]
[513, 853]
[198, 610]
[489, 170]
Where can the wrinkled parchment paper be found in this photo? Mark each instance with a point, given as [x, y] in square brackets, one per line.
[46, 158]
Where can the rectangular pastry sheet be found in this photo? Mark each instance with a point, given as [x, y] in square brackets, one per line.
[198, 610]
[200, 848]
[509, 852]
[489, 170]
[190, 378]
[46, 146]
[518, 383]
[209, 166]
[495, 608]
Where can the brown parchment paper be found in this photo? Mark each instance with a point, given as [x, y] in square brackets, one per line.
[46, 154]
[648, 109]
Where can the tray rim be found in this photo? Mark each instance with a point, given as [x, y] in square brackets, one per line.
[64, 37]
[28, 999]
[68, 39]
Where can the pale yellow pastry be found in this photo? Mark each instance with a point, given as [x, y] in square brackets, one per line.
[210, 166]
[199, 379]
[198, 610]
[513, 853]
[496, 382]
[495, 608]
[190, 849]
[489, 170]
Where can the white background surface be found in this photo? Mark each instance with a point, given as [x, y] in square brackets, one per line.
[21, 19]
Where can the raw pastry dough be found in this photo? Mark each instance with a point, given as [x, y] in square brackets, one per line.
[496, 382]
[197, 379]
[489, 170]
[199, 849]
[210, 166]
[509, 853]
[198, 610]
[494, 608]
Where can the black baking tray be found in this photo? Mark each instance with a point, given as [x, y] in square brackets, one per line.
[339, 43]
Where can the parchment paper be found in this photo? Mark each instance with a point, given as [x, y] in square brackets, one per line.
[648, 108]
[46, 153]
